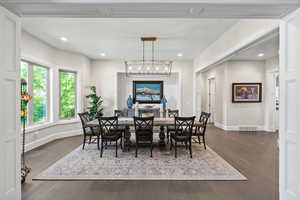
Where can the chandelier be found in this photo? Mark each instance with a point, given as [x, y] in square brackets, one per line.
[148, 66]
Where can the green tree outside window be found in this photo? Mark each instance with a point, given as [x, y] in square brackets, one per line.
[67, 94]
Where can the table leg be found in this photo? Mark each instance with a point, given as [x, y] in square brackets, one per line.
[162, 136]
[127, 141]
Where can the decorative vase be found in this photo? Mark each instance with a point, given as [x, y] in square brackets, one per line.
[129, 102]
[164, 104]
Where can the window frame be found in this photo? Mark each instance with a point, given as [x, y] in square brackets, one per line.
[30, 91]
[59, 94]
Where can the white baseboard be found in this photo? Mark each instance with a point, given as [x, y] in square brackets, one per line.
[237, 128]
[219, 125]
[51, 138]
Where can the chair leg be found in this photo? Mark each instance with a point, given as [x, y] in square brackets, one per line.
[83, 142]
[151, 148]
[121, 143]
[190, 146]
[116, 148]
[186, 146]
[199, 139]
[90, 140]
[98, 141]
[175, 149]
[168, 137]
[136, 148]
[171, 144]
[101, 151]
[204, 142]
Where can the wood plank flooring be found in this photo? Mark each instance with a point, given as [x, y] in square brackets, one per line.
[253, 154]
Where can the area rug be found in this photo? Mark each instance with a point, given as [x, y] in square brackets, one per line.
[87, 165]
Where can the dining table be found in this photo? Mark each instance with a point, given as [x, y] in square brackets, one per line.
[128, 122]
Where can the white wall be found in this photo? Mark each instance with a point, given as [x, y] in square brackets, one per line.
[105, 77]
[245, 114]
[34, 50]
[218, 73]
[271, 115]
[231, 116]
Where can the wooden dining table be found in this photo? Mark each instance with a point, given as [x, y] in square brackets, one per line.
[127, 122]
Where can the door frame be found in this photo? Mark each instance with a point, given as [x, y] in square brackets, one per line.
[289, 137]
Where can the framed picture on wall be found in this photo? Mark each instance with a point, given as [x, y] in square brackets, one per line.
[147, 91]
[246, 92]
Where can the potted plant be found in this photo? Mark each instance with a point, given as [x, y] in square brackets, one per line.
[95, 105]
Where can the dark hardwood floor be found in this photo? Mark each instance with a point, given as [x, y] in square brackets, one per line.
[253, 154]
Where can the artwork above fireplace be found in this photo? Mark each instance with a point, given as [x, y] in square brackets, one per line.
[147, 91]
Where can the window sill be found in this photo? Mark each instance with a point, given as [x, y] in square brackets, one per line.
[38, 127]
[67, 121]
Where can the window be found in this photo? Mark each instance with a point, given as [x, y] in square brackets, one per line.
[37, 78]
[67, 85]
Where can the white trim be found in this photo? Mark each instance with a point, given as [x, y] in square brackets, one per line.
[41, 126]
[219, 125]
[237, 127]
[51, 138]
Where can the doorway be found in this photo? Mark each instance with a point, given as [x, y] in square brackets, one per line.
[211, 98]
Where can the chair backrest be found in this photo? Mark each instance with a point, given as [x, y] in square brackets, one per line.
[118, 113]
[108, 123]
[84, 118]
[184, 125]
[173, 113]
[143, 123]
[204, 117]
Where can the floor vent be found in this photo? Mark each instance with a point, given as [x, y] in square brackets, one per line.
[248, 128]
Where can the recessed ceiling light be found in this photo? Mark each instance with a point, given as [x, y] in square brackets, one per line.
[148, 68]
[179, 54]
[64, 39]
[156, 68]
[260, 54]
[102, 54]
[166, 68]
[139, 68]
[130, 68]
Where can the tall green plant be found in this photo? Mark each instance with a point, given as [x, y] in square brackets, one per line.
[95, 109]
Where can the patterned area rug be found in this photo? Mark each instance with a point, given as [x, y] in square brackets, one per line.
[87, 165]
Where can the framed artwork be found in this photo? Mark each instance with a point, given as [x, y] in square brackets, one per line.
[246, 92]
[147, 91]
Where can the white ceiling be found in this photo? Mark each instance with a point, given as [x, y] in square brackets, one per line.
[119, 38]
[153, 8]
[269, 48]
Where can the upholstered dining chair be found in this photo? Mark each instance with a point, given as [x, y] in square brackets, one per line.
[89, 132]
[143, 132]
[118, 113]
[201, 129]
[110, 132]
[183, 133]
[171, 114]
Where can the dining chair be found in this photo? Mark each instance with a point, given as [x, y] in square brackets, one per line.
[171, 114]
[201, 129]
[118, 113]
[183, 133]
[89, 132]
[110, 132]
[143, 132]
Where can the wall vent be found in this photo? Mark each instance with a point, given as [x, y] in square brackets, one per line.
[248, 128]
